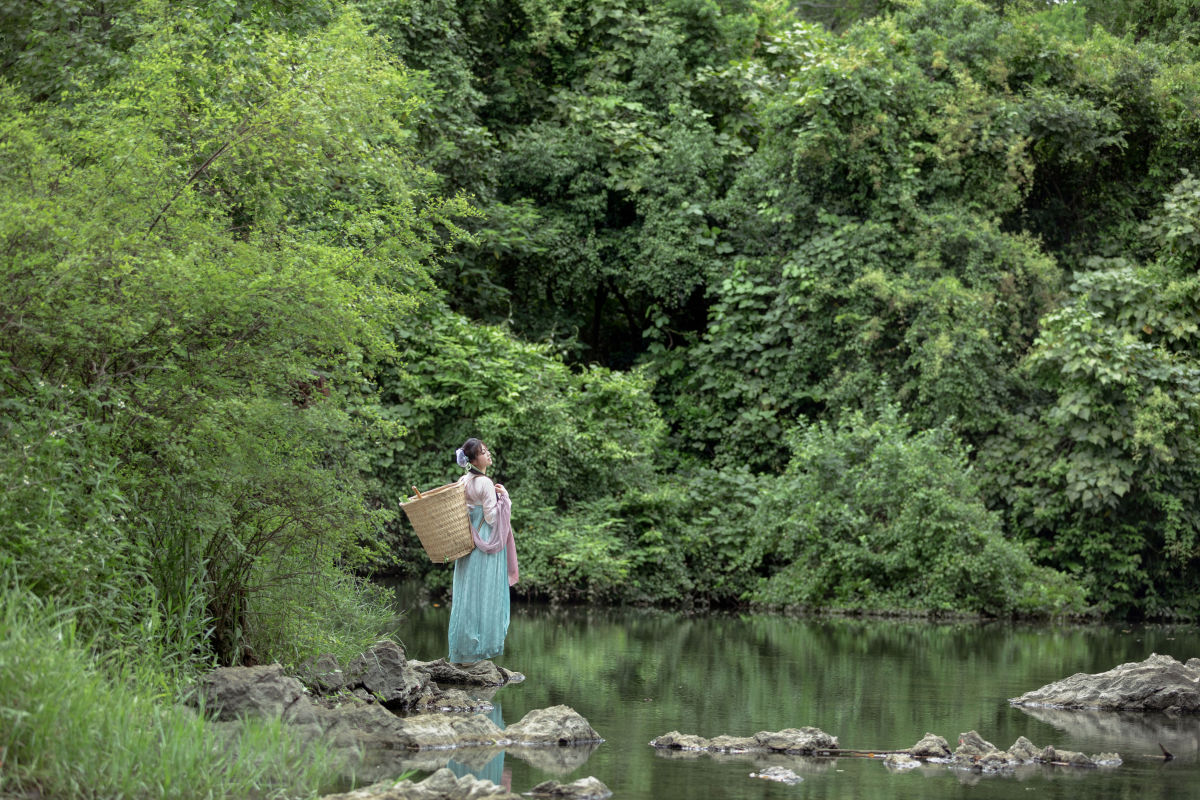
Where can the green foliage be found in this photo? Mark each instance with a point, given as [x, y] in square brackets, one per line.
[771, 216]
[561, 437]
[595, 154]
[74, 726]
[64, 506]
[1160, 20]
[1105, 471]
[682, 540]
[223, 356]
[198, 256]
[874, 516]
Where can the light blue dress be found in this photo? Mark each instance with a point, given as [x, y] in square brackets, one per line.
[479, 610]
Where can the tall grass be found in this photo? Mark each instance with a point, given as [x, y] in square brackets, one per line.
[307, 612]
[74, 726]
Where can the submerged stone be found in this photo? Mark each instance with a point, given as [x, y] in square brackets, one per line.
[779, 775]
[1024, 750]
[790, 740]
[796, 740]
[931, 746]
[972, 745]
[441, 785]
[588, 788]
[975, 752]
[680, 741]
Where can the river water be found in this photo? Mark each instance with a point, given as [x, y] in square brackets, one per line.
[875, 684]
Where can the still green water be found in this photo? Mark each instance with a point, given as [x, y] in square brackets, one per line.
[875, 684]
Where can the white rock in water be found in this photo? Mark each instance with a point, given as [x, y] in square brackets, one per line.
[779, 774]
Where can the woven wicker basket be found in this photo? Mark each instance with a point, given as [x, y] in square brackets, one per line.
[439, 516]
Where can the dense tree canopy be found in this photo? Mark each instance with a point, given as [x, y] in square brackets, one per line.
[977, 206]
[753, 306]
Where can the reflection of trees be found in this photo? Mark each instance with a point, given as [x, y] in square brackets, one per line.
[874, 683]
[1144, 730]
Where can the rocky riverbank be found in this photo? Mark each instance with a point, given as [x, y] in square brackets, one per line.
[382, 708]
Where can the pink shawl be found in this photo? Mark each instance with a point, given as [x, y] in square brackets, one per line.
[502, 536]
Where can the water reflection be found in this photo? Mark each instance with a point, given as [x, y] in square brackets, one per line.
[488, 763]
[801, 765]
[1142, 732]
[481, 764]
[636, 674]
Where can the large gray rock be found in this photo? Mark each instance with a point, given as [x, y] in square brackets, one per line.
[1160, 683]
[231, 692]
[386, 674]
[373, 726]
[322, 674]
[561, 725]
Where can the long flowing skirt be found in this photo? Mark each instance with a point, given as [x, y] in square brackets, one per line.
[479, 611]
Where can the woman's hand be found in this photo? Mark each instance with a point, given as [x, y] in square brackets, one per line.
[500, 489]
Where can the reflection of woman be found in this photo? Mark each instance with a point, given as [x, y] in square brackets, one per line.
[493, 770]
[479, 606]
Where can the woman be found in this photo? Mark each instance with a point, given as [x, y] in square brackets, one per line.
[479, 607]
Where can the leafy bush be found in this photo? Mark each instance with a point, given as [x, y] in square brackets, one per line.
[872, 516]
[561, 437]
[197, 257]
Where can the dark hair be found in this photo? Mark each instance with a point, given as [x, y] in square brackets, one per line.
[472, 448]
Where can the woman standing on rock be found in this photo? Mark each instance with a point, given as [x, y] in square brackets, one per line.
[479, 611]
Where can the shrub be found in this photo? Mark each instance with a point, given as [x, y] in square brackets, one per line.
[873, 516]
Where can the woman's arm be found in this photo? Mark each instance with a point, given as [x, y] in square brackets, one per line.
[482, 492]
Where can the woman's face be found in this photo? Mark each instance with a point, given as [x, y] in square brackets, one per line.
[482, 461]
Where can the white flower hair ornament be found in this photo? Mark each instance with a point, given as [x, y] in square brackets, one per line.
[461, 458]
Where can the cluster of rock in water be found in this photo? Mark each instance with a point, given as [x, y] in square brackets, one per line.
[355, 708]
[973, 752]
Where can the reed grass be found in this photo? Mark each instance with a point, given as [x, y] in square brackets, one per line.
[77, 725]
